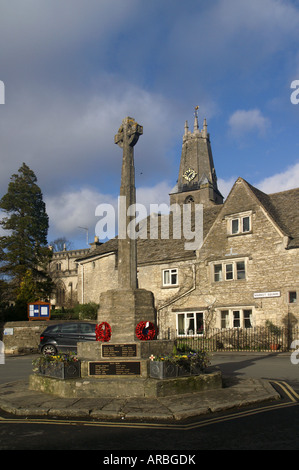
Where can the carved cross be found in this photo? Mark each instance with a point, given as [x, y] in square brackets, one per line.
[127, 136]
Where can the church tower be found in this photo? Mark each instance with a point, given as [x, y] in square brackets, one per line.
[197, 181]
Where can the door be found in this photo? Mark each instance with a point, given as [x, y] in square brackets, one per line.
[68, 337]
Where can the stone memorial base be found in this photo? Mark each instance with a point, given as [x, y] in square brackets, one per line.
[123, 370]
[120, 360]
[123, 309]
[126, 387]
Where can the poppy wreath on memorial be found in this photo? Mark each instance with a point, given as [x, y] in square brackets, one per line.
[145, 330]
[103, 332]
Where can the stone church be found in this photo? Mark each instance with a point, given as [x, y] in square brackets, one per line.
[245, 271]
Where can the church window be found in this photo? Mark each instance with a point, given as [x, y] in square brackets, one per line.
[190, 324]
[58, 266]
[170, 277]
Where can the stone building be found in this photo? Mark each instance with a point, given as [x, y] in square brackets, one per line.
[245, 271]
[64, 272]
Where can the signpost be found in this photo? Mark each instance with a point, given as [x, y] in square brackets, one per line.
[264, 295]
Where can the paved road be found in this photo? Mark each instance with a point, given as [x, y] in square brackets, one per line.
[269, 426]
[16, 368]
[264, 366]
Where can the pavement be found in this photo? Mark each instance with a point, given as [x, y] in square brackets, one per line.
[16, 399]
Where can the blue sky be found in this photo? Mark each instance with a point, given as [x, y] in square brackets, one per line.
[73, 69]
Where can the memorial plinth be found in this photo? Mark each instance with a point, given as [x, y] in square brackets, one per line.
[118, 360]
[123, 309]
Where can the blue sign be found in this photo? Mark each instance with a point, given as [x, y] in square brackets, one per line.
[39, 311]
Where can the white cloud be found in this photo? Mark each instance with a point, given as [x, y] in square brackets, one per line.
[288, 179]
[72, 142]
[71, 210]
[242, 122]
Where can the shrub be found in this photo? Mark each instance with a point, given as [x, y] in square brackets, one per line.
[87, 311]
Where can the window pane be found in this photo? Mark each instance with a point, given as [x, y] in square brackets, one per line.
[199, 323]
[174, 276]
[229, 271]
[247, 318]
[190, 326]
[224, 319]
[236, 319]
[166, 277]
[246, 224]
[218, 272]
[241, 270]
[181, 323]
[292, 297]
[71, 328]
[235, 225]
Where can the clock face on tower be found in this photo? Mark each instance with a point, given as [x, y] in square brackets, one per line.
[189, 174]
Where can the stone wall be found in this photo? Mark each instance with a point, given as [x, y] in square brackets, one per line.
[22, 336]
[95, 277]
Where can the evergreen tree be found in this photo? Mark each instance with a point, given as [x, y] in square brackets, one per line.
[24, 249]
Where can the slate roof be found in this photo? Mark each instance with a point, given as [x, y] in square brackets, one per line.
[158, 250]
[282, 207]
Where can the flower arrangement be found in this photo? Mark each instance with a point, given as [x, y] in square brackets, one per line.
[55, 359]
[61, 366]
[188, 361]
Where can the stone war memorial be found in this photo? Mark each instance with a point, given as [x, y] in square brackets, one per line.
[118, 363]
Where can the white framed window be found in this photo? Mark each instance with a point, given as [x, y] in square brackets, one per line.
[190, 323]
[229, 270]
[236, 318]
[239, 223]
[170, 277]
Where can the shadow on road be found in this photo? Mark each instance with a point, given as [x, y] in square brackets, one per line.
[234, 369]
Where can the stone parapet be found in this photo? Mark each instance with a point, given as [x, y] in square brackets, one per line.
[125, 387]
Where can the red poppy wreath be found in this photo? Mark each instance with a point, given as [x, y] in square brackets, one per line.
[145, 330]
[103, 332]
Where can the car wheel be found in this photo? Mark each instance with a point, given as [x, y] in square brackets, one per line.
[49, 349]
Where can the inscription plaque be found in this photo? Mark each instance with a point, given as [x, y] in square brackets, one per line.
[119, 350]
[114, 368]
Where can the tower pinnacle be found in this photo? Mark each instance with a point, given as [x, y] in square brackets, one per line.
[197, 176]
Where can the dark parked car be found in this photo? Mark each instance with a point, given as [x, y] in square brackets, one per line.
[65, 336]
